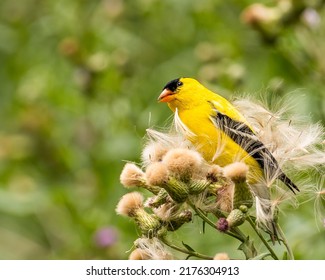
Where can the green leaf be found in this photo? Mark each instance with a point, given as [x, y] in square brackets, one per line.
[285, 255]
[188, 247]
[261, 256]
[248, 249]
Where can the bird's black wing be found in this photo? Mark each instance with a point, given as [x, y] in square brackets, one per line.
[242, 135]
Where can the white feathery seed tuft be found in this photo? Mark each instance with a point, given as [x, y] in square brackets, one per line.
[153, 248]
[153, 152]
[168, 140]
[180, 127]
[295, 142]
[264, 211]
[139, 255]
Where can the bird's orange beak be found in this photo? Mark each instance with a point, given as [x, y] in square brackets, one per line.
[166, 96]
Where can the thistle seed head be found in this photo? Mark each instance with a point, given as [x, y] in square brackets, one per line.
[153, 152]
[221, 256]
[214, 172]
[132, 176]
[156, 174]
[153, 249]
[236, 171]
[183, 163]
[129, 204]
[139, 254]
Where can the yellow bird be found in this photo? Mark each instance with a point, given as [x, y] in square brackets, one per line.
[219, 131]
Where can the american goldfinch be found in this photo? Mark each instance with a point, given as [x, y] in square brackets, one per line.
[220, 132]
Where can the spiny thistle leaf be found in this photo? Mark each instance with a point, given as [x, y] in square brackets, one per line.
[188, 247]
[248, 249]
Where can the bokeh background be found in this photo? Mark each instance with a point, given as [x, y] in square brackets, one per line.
[78, 87]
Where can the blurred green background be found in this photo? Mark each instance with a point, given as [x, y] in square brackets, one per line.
[78, 87]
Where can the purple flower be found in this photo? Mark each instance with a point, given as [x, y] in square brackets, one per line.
[222, 225]
[105, 237]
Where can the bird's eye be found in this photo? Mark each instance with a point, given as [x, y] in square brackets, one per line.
[179, 83]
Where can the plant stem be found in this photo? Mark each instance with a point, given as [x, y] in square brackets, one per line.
[267, 245]
[285, 242]
[234, 233]
[239, 233]
[190, 253]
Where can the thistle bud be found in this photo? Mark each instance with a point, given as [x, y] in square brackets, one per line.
[243, 208]
[177, 221]
[177, 189]
[149, 224]
[198, 186]
[242, 195]
[183, 163]
[158, 200]
[236, 218]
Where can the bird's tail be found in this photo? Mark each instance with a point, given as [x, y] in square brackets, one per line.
[288, 182]
[271, 228]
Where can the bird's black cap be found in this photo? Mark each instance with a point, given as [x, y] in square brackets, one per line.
[173, 84]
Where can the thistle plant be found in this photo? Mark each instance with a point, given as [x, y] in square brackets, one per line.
[182, 186]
